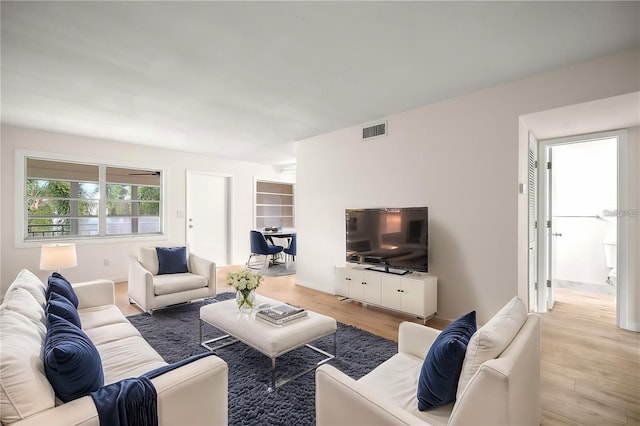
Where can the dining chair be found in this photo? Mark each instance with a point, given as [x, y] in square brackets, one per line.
[260, 247]
[291, 251]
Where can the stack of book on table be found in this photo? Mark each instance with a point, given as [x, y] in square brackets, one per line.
[281, 314]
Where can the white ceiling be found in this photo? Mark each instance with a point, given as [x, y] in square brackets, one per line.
[245, 80]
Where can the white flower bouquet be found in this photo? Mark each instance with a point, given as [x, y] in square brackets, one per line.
[244, 280]
[245, 283]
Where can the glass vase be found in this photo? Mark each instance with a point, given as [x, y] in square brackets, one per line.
[246, 300]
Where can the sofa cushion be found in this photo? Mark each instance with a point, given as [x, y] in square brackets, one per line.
[62, 307]
[71, 361]
[128, 357]
[175, 283]
[20, 300]
[30, 282]
[441, 368]
[59, 284]
[172, 260]
[100, 316]
[111, 333]
[491, 339]
[25, 389]
[396, 381]
[148, 258]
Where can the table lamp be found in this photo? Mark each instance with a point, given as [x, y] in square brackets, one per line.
[54, 257]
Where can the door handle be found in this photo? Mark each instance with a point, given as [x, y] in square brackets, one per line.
[557, 234]
[190, 226]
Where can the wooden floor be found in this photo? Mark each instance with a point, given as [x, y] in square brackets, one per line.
[590, 368]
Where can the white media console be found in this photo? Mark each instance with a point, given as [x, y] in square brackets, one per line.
[415, 293]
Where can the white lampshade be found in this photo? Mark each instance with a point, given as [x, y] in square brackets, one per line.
[54, 257]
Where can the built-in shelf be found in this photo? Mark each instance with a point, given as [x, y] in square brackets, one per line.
[274, 204]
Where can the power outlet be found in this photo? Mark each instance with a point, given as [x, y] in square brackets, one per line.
[105, 262]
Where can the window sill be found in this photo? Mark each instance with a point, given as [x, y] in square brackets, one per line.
[112, 239]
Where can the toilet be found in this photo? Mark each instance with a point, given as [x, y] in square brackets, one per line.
[611, 260]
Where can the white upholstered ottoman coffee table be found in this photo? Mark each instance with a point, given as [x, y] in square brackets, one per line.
[271, 340]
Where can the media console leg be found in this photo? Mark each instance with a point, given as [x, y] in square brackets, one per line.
[425, 319]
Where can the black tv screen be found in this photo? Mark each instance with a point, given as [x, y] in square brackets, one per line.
[390, 239]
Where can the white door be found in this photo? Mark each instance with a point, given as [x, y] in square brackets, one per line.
[545, 293]
[551, 233]
[208, 232]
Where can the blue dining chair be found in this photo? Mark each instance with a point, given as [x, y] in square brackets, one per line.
[292, 249]
[260, 247]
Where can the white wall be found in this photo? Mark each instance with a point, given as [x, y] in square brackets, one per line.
[628, 304]
[2, 204]
[91, 255]
[461, 157]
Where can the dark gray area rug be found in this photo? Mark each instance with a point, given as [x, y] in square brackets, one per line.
[173, 333]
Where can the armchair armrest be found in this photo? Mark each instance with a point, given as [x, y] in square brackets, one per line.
[340, 400]
[95, 293]
[416, 339]
[140, 284]
[505, 390]
[201, 266]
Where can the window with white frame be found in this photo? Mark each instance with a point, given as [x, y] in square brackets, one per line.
[67, 199]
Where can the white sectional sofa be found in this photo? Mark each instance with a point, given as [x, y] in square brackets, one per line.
[499, 383]
[193, 394]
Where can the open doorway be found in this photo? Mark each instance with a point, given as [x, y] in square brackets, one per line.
[618, 112]
[578, 202]
[585, 199]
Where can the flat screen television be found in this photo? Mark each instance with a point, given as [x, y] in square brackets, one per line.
[394, 240]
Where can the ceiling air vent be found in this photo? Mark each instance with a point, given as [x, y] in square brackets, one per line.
[374, 131]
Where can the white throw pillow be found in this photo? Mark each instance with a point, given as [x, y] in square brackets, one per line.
[30, 282]
[25, 390]
[20, 300]
[148, 257]
[491, 339]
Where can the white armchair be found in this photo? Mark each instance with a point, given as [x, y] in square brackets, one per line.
[505, 390]
[151, 291]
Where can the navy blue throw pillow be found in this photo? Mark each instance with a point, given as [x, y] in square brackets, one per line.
[441, 368]
[62, 307]
[172, 260]
[71, 361]
[59, 284]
